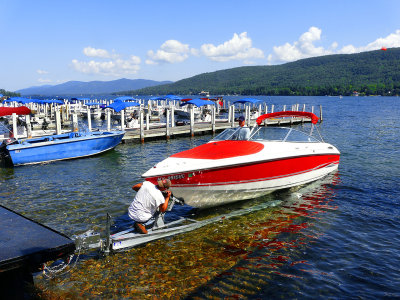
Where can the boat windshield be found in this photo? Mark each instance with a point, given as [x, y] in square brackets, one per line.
[225, 135]
[283, 134]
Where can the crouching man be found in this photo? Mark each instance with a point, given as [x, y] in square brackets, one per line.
[148, 199]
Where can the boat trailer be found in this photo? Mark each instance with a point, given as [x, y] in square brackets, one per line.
[127, 239]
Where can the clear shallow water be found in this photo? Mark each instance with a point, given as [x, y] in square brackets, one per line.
[339, 240]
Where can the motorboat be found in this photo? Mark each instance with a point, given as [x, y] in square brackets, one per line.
[204, 94]
[59, 147]
[92, 108]
[198, 106]
[227, 169]
[49, 148]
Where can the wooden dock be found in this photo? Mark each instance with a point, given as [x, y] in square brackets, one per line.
[135, 136]
[65, 113]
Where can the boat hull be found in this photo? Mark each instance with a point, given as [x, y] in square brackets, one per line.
[218, 186]
[62, 147]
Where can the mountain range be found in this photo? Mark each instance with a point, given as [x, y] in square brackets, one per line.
[90, 88]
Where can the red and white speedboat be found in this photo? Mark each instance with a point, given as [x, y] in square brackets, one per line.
[226, 169]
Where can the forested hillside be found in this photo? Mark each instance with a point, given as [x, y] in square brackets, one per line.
[8, 94]
[368, 73]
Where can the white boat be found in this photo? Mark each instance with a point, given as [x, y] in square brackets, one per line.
[198, 106]
[204, 94]
[226, 169]
[95, 110]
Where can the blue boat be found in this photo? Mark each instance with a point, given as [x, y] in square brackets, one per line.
[59, 147]
[54, 147]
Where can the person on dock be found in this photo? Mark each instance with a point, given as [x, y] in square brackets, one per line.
[148, 202]
[243, 132]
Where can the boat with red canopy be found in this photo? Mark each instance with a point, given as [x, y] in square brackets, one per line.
[228, 168]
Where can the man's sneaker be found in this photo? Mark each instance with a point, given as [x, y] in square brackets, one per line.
[139, 227]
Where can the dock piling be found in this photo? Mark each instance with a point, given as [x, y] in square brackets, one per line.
[172, 116]
[141, 126]
[28, 126]
[191, 121]
[233, 116]
[320, 114]
[213, 113]
[167, 131]
[108, 119]
[15, 128]
[122, 119]
[89, 119]
[58, 122]
[74, 122]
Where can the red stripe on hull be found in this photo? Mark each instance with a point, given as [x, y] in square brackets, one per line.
[261, 171]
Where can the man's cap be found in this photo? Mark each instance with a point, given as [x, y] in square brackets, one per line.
[165, 183]
[241, 119]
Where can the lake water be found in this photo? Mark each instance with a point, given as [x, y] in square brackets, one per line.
[335, 238]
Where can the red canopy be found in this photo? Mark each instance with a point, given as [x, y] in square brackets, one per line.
[8, 111]
[278, 114]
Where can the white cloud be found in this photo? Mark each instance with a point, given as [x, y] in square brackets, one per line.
[41, 72]
[116, 67]
[392, 40]
[304, 47]
[93, 52]
[172, 51]
[237, 48]
[110, 63]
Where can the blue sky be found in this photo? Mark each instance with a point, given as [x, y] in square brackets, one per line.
[51, 42]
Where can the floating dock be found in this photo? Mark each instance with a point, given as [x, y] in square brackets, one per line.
[24, 246]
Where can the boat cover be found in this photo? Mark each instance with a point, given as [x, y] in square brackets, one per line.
[124, 98]
[173, 97]
[157, 98]
[93, 103]
[26, 100]
[198, 102]
[119, 105]
[278, 114]
[8, 111]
